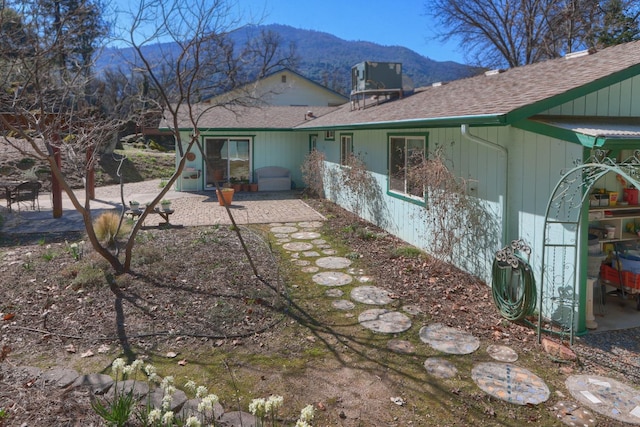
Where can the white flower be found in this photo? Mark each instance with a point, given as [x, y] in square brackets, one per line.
[166, 382]
[272, 404]
[190, 385]
[150, 369]
[307, 413]
[207, 403]
[301, 423]
[154, 415]
[167, 418]
[127, 370]
[118, 365]
[257, 407]
[166, 401]
[137, 364]
[154, 378]
[192, 422]
[201, 391]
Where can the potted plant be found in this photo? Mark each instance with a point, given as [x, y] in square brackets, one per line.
[235, 184]
[225, 196]
[134, 205]
[165, 204]
[245, 183]
[253, 186]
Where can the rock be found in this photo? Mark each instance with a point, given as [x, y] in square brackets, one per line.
[238, 419]
[179, 399]
[557, 350]
[140, 388]
[97, 383]
[190, 408]
[60, 377]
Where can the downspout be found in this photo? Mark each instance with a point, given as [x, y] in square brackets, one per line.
[464, 130]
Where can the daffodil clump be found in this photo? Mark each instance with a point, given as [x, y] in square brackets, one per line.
[118, 412]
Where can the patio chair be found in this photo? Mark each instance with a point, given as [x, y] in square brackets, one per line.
[27, 193]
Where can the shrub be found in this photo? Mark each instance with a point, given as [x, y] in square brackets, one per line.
[106, 227]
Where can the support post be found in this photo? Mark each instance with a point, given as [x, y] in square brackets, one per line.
[56, 188]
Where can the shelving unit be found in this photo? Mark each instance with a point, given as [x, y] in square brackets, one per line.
[618, 216]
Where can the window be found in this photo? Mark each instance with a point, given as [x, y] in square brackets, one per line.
[283, 78]
[313, 142]
[346, 148]
[329, 135]
[403, 152]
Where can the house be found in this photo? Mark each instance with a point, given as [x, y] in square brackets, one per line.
[524, 139]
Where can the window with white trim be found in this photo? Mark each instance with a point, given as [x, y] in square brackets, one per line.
[346, 148]
[405, 151]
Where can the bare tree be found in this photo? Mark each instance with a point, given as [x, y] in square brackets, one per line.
[499, 33]
[182, 54]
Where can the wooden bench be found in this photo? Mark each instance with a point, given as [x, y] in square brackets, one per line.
[134, 214]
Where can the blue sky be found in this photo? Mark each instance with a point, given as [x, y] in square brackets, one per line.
[386, 22]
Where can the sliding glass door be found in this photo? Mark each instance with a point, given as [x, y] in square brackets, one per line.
[228, 160]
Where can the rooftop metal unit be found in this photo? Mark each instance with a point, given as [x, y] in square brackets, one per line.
[375, 79]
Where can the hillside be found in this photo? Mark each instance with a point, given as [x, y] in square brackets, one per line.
[328, 59]
[325, 58]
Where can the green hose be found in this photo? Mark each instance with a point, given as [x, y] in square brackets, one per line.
[514, 288]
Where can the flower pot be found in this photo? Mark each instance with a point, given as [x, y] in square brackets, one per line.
[236, 187]
[166, 206]
[225, 196]
[245, 187]
[134, 206]
[253, 187]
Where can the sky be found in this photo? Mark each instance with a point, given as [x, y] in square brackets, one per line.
[385, 22]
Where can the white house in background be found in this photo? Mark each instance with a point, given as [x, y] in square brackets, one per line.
[288, 88]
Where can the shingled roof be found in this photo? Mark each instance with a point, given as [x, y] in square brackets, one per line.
[239, 117]
[503, 97]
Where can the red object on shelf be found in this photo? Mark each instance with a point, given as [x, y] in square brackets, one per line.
[631, 280]
[609, 274]
[631, 195]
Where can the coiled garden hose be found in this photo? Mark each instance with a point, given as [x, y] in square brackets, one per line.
[514, 288]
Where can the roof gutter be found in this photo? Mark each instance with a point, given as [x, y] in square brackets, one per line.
[464, 130]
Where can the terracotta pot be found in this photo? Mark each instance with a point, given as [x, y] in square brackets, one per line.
[225, 196]
[245, 187]
[253, 187]
[236, 187]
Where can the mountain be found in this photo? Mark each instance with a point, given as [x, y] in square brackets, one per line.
[327, 59]
[323, 58]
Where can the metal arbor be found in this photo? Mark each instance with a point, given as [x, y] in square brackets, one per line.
[559, 282]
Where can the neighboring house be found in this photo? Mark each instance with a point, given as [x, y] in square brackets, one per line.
[286, 87]
[515, 135]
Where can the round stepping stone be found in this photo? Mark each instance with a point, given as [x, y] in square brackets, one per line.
[334, 293]
[440, 368]
[343, 304]
[310, 269]
[310, 224]
[572, 415]
[284, 229]
[371, 295]
[310, 254]
[384, 321]
[323, 245]
[502, 353]
[305, 235]
[298, 246]
[302, 262]
[356, 271]
[414, 310]
[281, 236]
[401, 346]
[364, 279]
[319, 242]
[606, 396]
[295, 255]
[281, 241]
[333, 262]
[449, 340]
[331, 278]
[510, 383]
[329, 251]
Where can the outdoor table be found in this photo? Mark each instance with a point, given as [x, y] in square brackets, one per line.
[9, 187]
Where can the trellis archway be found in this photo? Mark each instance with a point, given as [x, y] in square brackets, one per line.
[558, 304]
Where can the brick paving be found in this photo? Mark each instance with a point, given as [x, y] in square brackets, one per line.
[190, 209]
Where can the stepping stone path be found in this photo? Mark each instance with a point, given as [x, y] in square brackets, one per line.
[449, 340]
[606, 396]
[500, 379]
[371, 295]
[440, 368]
[510, 383]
